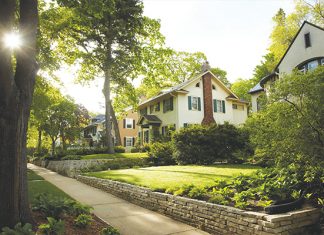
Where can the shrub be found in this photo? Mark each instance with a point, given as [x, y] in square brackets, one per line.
[109, 231]
[71, 157]
[160, 154]
[83, 220]
[206, 144]
[135, 150]
[49, 205]
[76, 208]
[183, 190]
[18, 230]
[53, 227]
[119, 149]
[197, 193]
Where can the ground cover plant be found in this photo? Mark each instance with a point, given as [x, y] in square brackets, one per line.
[55, 212]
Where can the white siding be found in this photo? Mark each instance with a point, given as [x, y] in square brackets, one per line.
[298, 53]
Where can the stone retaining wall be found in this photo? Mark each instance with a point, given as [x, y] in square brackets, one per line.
[71, 168]
[216, 219]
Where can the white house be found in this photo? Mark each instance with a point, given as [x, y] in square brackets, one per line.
[305, 52]
[201, 100]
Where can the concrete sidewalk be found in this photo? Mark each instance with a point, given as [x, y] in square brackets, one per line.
[128, 218]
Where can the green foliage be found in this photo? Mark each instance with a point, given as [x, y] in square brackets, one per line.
[55, 207]
[119, 149]
[289, 132]
[49, 205]
[207, 144]
[83, 220]
[109, 231]
[160, 154]
[197, 193]
[241, 88]
[53, 227]
[71, 157]
[27, 229]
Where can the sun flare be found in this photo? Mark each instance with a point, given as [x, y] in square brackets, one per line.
[12, 40]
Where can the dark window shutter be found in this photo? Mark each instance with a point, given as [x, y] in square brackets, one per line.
[199, 104]
[133, 141]
[133, 123]
[189, 103]
[124, 123]
[171, 103]
[124, 141]
[223, 104]
[164, 110]
[216, 105]
[185, 124]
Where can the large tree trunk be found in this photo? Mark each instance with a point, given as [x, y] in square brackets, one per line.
[39, 142]
[16, 91]
[106, 90]
[116, 127]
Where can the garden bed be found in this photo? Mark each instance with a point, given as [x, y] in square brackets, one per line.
[216, 219]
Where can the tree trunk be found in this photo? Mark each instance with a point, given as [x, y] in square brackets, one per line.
[16, 91]
[106, 90]
[53, 146]
[116, 127]
[39, 142]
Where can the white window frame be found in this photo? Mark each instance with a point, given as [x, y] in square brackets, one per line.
[129, 123]
[194, 103]
[128, 140]
[219, 106]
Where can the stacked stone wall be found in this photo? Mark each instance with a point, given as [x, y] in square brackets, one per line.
[213, 218]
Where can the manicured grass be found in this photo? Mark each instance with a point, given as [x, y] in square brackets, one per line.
[114, 156]
[164, 177]
[37, 185]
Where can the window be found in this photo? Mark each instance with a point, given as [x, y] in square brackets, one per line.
[151, 108]
[307, 40]
[128, 141]
[322, 61]
[168, 105]
[214, 87]
[146, 136]
[129, 123]
[219, 106]
[198, 84]
[143, 111]
[157, 107]
[194, 103]
[312, 65]
[238, 106]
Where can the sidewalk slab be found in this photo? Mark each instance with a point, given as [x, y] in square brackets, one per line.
[128, 218]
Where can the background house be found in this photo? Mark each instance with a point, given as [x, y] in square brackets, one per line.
[201, 100]
[93, 133]
[305, 52]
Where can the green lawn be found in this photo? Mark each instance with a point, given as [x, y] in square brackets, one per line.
[114, 156]
[37, 185]
[164, 177]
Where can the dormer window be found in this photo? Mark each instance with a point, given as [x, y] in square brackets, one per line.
[198, 84]
[307, 40]
[214, 87]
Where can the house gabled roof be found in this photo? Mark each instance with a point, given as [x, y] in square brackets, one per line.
[150, 119]
[180, 88]
[256, 88]
[266, 78]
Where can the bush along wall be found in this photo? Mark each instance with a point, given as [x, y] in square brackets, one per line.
[207, 144]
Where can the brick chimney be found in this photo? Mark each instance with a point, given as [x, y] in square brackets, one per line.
[208, 96]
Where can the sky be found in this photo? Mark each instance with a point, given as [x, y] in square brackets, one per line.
[233, 34]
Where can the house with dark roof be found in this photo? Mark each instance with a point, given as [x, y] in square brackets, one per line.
[306, 52]
[93, 133]
[203, 99]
